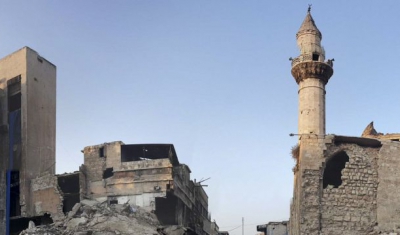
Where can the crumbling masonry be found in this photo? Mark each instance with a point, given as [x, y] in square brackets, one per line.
[148, 176]
[343, 185]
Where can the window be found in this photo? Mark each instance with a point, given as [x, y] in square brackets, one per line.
[315, 57]
[101, 152]
[108, 173]
[14, 93]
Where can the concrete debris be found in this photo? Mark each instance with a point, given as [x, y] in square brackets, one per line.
[31, 225]
[173, 230]
[94, 218]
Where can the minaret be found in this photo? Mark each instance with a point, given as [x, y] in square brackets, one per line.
[312, 73]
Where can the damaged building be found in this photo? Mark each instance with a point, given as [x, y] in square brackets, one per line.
[274, 228]
[27, 134]
[342, 184]
[149, 176]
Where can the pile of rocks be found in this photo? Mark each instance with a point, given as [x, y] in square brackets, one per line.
[91, 217]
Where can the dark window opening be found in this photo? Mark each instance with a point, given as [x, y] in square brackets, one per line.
[315, 57]
[14, 93]
[15, 117]
[166, 208]
[15, 208]
[101, 152]
[113, 201]
[333, 170]
[14, 102]
[108, 173]
[17, 225]
[69, 185]
[143, 152]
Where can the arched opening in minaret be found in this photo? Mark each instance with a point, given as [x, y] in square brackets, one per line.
[333, 169]
[315, 57]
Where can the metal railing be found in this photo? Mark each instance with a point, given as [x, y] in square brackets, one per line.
[308, 57]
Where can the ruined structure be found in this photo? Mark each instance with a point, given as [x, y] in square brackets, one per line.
[342, 185]
[27, 132]
[146, 176]
[274, 228]
[149, 176]
[214, 228]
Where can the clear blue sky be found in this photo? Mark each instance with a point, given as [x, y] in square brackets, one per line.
[213, 78]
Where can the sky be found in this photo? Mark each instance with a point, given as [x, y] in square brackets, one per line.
[213, 78]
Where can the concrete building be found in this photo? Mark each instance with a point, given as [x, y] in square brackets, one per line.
[27, 130]
[149, 176]
[342, 184]
[145, 175]
[214, 228]
[274, 228]
[223, 233]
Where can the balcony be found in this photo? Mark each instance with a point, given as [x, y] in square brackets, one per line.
[308, 57]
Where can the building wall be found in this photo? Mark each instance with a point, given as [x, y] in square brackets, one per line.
[141, 182]
[312, 106]
[351, 208]
[366, 199]
[305, 217]
[35, 154]
[10, 67]
[47, 197]
[214, 228]
[388, 200]
[39, 121]
[277, 228]
[97, 159]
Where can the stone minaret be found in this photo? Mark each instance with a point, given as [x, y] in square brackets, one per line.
[312, 73]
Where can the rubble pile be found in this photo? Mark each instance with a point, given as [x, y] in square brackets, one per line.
[91, 217]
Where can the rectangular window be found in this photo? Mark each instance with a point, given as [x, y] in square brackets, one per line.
[101, 152]
[315, 57]
[14, 93]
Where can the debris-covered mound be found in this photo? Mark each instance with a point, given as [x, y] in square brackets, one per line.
[90, 217]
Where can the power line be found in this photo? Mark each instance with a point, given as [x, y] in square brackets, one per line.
[244, 225]
[235, 228]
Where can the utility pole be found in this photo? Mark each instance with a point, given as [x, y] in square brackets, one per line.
[242, 225]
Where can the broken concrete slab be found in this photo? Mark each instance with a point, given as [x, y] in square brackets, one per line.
[87, 202]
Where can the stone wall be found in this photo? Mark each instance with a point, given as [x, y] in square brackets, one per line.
[351, 207]
[277, 228]
[388, 200]
[47, 197]
[365, 201]
[305, 206]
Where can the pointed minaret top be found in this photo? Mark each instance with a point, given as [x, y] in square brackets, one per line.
[308, 25]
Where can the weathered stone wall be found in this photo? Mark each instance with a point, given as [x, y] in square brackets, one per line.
[277, 228]
[307, 190]
[351, 208]
[357, 205]
[94, 166]
[112, 152]
[47, 197]
[138, 177]
[388, 196]
[294, 221]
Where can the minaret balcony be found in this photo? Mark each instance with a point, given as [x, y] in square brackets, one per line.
[308, 58]
[304, 69]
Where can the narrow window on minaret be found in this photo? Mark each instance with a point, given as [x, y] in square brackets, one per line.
[315, 57]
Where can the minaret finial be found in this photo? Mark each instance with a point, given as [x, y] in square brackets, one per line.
[309, 7]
